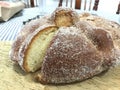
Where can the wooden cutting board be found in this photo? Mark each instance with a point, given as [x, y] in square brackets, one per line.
[13, 78]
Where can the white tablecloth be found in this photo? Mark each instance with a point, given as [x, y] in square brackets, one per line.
[9, 29]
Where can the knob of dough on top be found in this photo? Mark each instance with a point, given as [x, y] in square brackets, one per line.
[65, 17]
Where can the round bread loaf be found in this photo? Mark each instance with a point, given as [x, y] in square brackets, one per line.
[67, 47]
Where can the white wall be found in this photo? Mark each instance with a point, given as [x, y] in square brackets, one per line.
[108, 5]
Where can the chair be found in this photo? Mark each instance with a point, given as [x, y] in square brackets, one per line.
[32, 3]
[78, 4]
[118, 10]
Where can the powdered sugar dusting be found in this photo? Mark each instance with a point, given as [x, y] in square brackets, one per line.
[71, 57]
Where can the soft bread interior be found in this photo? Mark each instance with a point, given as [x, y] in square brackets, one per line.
[63, 19]
[37, 49]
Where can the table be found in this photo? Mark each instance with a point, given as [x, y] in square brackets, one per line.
[9, 29]
[13, 78]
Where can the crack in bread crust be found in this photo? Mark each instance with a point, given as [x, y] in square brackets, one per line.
[33, 50]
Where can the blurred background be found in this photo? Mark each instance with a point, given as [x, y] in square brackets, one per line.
[9, 28]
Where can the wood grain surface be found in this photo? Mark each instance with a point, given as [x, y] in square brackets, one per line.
[13, 78]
